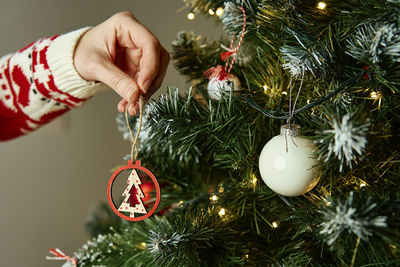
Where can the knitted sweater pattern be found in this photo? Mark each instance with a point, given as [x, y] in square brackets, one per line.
[39, 83]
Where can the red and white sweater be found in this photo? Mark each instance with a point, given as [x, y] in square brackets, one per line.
[40, 83]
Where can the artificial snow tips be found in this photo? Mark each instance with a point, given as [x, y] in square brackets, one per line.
[347, 140]
[341, 217]
[372, 43]
[160, 241]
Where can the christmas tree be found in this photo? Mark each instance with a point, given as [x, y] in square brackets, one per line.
[133, 196]
[333, 68]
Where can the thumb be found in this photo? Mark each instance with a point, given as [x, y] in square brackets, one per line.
[119, 81]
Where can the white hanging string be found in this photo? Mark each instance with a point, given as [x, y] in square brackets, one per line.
[293, 109]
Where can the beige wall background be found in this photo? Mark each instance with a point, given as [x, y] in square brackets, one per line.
[51, 178]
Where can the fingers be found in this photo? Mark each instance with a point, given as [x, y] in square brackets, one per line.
[122, 105]
[149, 65]
[143, 66]
[132, 34]
[122, 83]
[133, 109]
[132, 61]
[164, 61]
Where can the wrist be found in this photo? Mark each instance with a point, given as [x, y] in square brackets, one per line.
[61, 56]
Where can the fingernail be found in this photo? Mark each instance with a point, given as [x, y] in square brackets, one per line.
[131, 95]
[145, 87]
[134, 109]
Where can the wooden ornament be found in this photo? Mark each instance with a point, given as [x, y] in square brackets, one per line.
[136, 165]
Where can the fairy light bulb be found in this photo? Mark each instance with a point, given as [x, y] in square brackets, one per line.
[191, 15]
[275, 225]
[363, 185]
[321, 5]
[221, 212]
[214, 198]
[375, 95]
[211, 12]
[284, 93]
[143, 245]
[253, 179]
[265, 88]
[219, 11]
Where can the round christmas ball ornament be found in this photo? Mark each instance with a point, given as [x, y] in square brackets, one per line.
[287, 163]
[224, 83]
[221, 80]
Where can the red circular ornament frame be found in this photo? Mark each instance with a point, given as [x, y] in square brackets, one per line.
[137, 166]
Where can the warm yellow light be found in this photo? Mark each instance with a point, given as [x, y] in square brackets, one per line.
[265, 88]
[143, 245]
[328, 203]
[321, 5]
[191, 15]
[246, 256]
[284, 93]
[219, 11]
[308, 101]
[221, 190]
[363, 185]
[275, 225]
[214, 198]
[211, 11]
[221, 212]
[375, 95]
[254, 180]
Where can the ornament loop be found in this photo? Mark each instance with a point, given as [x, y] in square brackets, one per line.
[291, 130]
[134, 163]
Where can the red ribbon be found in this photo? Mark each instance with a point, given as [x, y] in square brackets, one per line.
[234, 50]
[225, 55]
[220, 72]
[59, 255]
[217, 72]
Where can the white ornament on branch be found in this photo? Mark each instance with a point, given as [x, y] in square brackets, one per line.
[221, 80]
[218, 86]
[287, 163]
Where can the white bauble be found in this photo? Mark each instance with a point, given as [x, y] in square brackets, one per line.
[287, 163]
[216, 85]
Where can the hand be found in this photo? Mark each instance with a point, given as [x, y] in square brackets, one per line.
[126, 56]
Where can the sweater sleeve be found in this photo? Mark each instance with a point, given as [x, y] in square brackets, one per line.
[39, 83]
